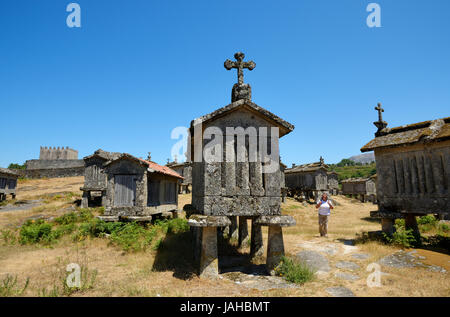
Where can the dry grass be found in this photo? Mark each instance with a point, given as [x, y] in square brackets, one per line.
[166, 272]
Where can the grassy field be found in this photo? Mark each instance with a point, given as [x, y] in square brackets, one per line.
[157, 262]
[354, 171]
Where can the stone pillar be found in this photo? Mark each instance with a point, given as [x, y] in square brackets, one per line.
[209, 263]
[275, 248]
[387, 225]
[256, 241]
[411, 223]
[85, 199]
[243, 232]
[233, 231]
[104, 198]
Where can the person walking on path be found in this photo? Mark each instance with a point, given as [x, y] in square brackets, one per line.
[324, 205]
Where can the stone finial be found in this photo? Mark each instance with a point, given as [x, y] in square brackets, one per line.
[149, 156]
[380, 124]
[321, 160]
[240, 90]
[293, 165]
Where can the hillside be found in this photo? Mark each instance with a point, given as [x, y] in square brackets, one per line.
[352, 171]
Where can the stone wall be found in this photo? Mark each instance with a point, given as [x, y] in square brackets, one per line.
[52, 168]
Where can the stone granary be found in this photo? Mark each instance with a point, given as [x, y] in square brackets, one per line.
[413, 170]
[333, 183]
[308, 180]
[362, 188]
[54, 162]
[236, 178]
[138, 190]
[185, 170]
[8, 183]
[94, 189]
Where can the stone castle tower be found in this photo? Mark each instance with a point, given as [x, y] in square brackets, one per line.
[57, 153]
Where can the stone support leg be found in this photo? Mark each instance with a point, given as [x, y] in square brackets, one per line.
[85, 199]
[275, 248]
[387, 225]
[411, 223]
[233, 233]
[209, 263]
[256, 241]
[243, 232]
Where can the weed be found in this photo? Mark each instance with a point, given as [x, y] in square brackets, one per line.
[9, 287]
[294, 271]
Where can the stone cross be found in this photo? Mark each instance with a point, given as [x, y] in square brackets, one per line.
[380, 112]
[240, 65]
[380, 124]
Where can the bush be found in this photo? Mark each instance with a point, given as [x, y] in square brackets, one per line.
[35, 231]
[426, 220]
[177, 225]
[401, 237]
[294, 272]
[133, 237]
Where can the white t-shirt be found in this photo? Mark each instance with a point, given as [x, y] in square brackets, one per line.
[324, 208]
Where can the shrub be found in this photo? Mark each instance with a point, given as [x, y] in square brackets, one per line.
[294, 272]
[66, 219]
[133, 237]
[401, 237]
[427, 220]
[35, 231]
[177, 225]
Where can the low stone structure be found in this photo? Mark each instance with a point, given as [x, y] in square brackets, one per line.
[307, 180]
[54, 162]
[185, 170]
[237, 184]
[361, 188]
[8, 183]
[94, 189]
[413, 170]
[138, 190]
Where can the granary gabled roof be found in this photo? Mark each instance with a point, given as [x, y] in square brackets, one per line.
[154, 167]
[310, 167]
[284, 126]
[422, 132]
[8, 171]
[107, 156]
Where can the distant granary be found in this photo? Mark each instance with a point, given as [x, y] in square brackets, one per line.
[138, 190]
[333, 183]
[413, 170]
[54, 162]
[94, 189]
[8, 183]
[361, 188]
[307, 180]
[237, 184]
[185, 170]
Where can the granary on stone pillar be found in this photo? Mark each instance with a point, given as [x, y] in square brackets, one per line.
[333, 183]
[8, 183]
[185, 170]
[139, 190]
[413, 170]
[236, 173]
[362, 188]
[94, 189]
[307, 180]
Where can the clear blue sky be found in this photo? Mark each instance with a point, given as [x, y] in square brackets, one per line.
[137, 69]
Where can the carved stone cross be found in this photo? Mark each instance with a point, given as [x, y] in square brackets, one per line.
[380, 124]
[380, 112]
[239, 65]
